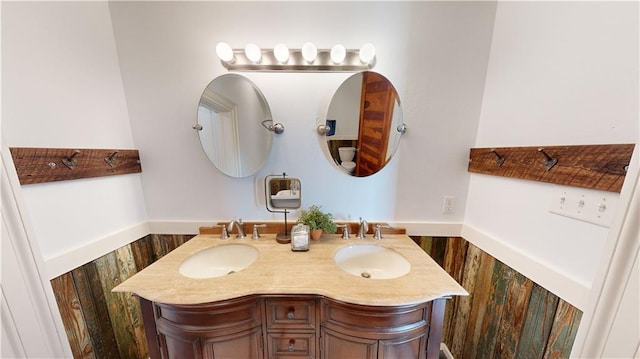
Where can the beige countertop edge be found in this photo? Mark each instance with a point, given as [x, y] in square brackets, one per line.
[279, 271]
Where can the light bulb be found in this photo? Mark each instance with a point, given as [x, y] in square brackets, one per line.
[367, 53]
[281, 53]
[253, 53]
[309, 52]
[224, 52]
[338, 53]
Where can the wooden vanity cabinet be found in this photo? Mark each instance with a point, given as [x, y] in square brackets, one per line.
[293, 327]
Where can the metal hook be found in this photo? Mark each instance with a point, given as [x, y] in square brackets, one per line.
[548, 161]
[70, 161]
[111, 159]
[499, 159]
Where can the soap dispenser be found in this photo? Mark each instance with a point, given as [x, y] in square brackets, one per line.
[300, 238]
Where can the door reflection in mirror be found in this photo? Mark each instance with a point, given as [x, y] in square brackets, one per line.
[365, 112]
[230, 113]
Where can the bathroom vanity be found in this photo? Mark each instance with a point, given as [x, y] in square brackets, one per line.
[284, 304]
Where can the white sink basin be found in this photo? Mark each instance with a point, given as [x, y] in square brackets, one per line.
[371, 261]
[219, 261]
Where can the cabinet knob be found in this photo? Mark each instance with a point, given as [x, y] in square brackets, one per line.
[292, 313]
[292, 345]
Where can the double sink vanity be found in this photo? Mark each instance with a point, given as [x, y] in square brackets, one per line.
[255, 298]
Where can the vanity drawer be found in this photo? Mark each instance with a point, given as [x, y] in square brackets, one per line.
[291, 345]
[384, 319]
[285, 313]
[231, 314]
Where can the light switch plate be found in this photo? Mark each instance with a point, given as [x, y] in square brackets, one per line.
[597, 207]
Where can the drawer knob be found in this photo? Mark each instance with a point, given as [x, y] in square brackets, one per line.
[292, 345]
[292, 313]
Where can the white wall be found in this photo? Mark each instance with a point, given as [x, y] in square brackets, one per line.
[559, 73]
[434, 53]
[62, 88]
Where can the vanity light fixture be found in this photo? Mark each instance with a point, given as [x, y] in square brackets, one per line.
[338, 53]
[367, 53]
[308, 58]
[225, 52]
[281, 53]
[309, 52]
[253, 53]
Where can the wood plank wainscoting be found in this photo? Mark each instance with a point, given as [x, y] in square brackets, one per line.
[102, 324]
[505, 316]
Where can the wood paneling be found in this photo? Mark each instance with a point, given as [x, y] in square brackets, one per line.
[506, 315]
[600, 167]
[563, 332]
[516, 303]
[40, 165]
[102, 324]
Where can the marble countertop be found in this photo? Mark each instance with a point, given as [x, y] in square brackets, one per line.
[278, 270]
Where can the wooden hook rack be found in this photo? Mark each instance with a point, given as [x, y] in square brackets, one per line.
[600, 167]
[40, 165]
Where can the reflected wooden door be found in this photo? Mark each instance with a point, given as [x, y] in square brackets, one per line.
[376, 110]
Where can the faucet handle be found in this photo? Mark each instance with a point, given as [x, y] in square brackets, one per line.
[256, 233]
[345, 230]
[224, 233]
[378, 233]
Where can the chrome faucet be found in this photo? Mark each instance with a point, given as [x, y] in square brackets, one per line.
[363, 228]
[239, 225]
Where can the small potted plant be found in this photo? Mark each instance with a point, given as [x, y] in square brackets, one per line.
[317, 221]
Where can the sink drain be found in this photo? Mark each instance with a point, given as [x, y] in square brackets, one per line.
[365, 275]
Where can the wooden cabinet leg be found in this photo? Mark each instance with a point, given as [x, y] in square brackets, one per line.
[435, 328]
[149, 320]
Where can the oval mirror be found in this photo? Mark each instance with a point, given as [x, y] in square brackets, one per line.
[363, 124]
[231, 116]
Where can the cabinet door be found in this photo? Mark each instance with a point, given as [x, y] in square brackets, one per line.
[403, 348]
[340, 346]
[243, 345]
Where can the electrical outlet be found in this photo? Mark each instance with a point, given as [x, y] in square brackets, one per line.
[449, 205]
[590, 206]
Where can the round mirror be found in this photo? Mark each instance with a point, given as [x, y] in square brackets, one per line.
[231, 117]
[363, 124]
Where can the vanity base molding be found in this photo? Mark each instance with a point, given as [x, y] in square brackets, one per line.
[292, 326]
